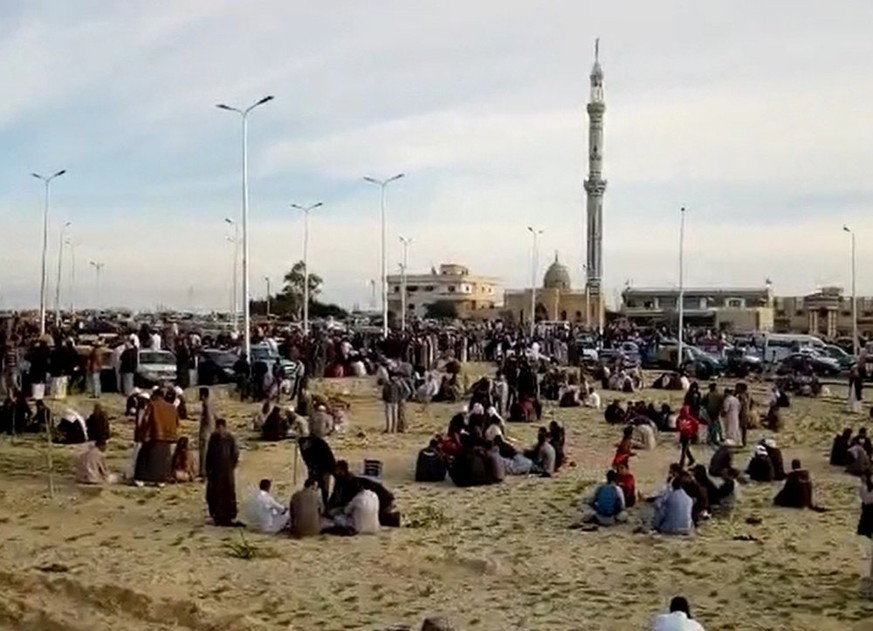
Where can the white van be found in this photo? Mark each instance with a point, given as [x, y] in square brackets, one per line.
[772, 348]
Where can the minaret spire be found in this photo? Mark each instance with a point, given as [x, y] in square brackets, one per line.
[595, 187]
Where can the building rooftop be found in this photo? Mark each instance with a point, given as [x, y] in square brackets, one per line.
[709, 291]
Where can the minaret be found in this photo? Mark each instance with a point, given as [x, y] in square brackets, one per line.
[595, 186]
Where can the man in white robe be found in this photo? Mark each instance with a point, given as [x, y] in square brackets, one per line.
[262, 513]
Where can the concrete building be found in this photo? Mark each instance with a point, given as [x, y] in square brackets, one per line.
[555, 300]
[827, 313]
[729, 308]
[452, 283]
[595, 187]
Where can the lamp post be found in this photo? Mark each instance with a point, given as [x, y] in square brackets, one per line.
[235, 300]
[382, 184]
[855, 349]
[98, 267]
[587, 298]
[244, 116]
[404, 264]
[72, 246]
[681, 283]
[305, 210]
[533, 277]
[60, 267]
[43, 278]
[267, 278]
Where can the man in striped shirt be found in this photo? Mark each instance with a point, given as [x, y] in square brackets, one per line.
[11, 367]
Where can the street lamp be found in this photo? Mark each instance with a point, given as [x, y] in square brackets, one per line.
[587, 298]
[305, 210]
[267, 278]
[60, 265]
[43, 279]
[382, 184]
[98, 267]
[534, 263]
[681, 283]
[855, 349]
[244, 115]
[235, 301]
[405, 241]
[72, 246]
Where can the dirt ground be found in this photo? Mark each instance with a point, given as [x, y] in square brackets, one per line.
[498, 557]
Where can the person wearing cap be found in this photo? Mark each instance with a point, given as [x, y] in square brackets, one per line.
[679, 618]
[776, 458]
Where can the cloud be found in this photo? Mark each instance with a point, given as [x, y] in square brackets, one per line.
[753, 118]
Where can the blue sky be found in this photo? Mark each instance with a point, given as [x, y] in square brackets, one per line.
[753, 115]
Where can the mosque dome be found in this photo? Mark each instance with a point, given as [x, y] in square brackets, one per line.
[557, 276]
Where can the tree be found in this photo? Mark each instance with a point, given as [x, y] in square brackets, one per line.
[441, 310]
[289, 302]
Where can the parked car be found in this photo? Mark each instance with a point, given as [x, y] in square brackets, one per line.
[739, 363]
[215, 365]
[844, 359]
[806, 363]
[155, 367]
[700, 364]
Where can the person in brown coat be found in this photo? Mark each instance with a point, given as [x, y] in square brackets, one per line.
[158, 432]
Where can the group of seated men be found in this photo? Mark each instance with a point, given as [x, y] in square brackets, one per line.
[475, 451]
[357, 505]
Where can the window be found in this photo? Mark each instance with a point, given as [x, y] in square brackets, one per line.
[631, 304]
[429, 288]
[396, 289]
[412, 288]
[451, 289]
[798, 312]
[846, 314]
[734, 303]
[667, 303]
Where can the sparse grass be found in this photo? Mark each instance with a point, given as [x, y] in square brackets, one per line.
[247, 551]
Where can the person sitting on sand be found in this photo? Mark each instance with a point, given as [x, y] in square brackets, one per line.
[860, 461]
[840, 449]
[674, 515]
[275, 427]
[430, 466]
[644, 436]
[91, 466]
[71, 430]
[557, 438]
[592, 399]
[359, 517]
[725, 498]
[797, 491]
[865, 523]
[98, 424]
[543, 454]
[760, 467]
[722, 458]
[514, 463]
[705, 482]
[626, 481]
[865, 442]
[679, 618]
[346, 487]
[776, 458]
[183, 467]
[262, 513]
[494, 424]
[607, 503]
[614, 414]
[306, 510]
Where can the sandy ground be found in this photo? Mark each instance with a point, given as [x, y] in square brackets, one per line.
[492, 558]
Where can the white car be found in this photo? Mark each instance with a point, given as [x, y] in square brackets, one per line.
[155, 367]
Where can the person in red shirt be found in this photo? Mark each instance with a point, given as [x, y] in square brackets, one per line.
[627, 483]
[688, 427]
[624, 449]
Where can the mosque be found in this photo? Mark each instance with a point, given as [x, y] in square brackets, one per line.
[556, 299]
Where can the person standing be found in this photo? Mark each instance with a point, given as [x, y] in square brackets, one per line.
[732, 417]
[94, 368]
[207, 426]
[127, 367]
[11, 367]
[391, 395]
[713, 403]
[159, 432]
[856, 389]
[320, 462]
[222, 457]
